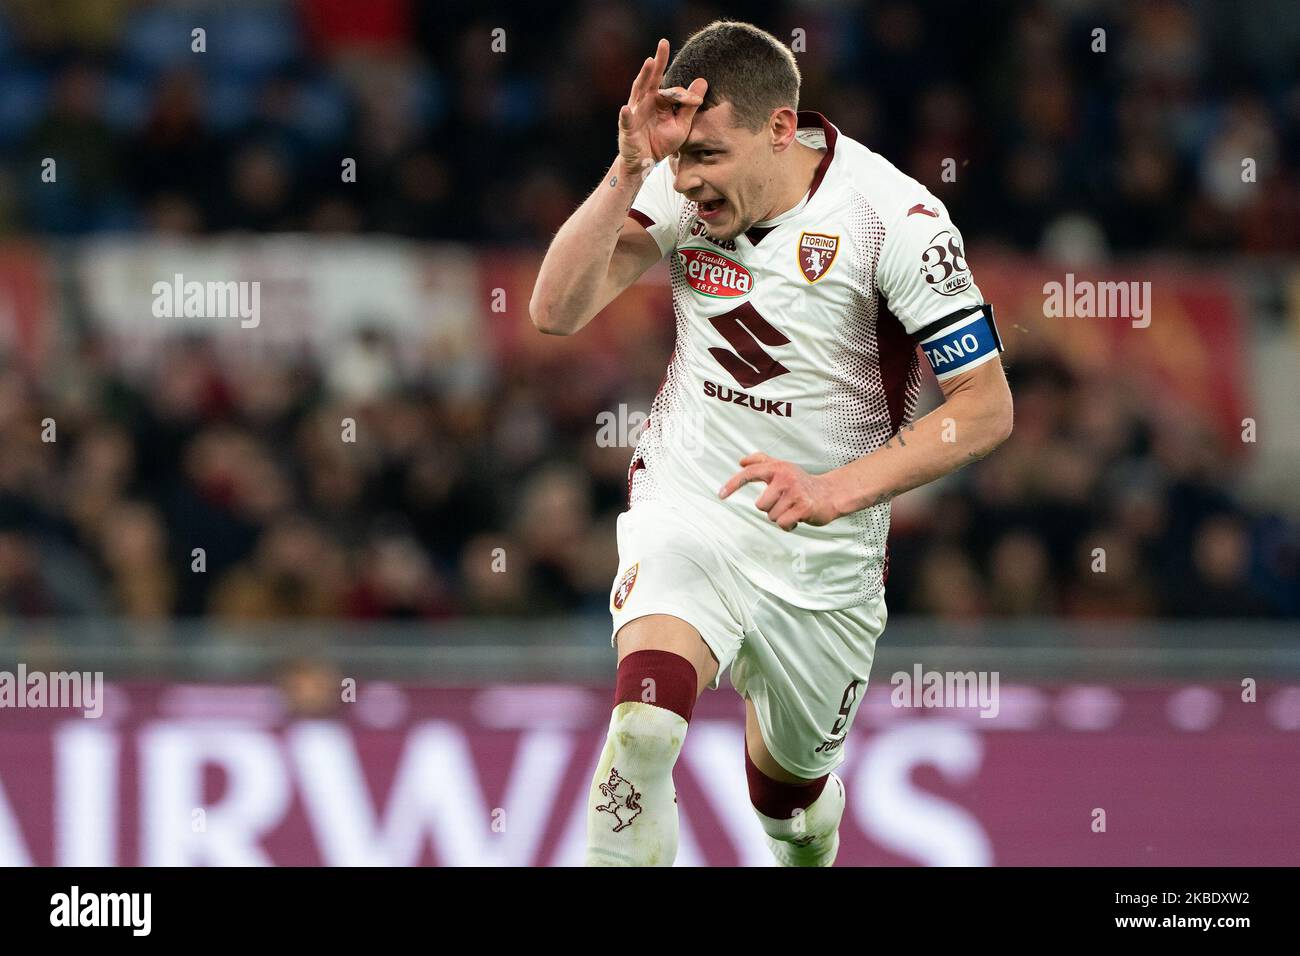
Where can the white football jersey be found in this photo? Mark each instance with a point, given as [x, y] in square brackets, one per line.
[799, 339]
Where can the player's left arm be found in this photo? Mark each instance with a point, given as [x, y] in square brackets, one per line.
[925, 277]
[975, 418]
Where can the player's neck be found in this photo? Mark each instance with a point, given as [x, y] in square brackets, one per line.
[804, 162]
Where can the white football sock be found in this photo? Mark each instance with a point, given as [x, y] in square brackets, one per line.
[632, 805]
[809, 837]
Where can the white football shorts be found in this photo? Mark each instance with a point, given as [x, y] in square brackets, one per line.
[806, 671]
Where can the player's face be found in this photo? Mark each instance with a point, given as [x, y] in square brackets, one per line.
[729, 171]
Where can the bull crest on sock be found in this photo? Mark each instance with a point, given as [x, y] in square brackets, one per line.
[624, 801]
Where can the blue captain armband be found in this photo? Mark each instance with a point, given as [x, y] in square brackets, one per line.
[961, 341]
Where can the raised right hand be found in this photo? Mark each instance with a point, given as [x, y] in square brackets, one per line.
[655, 122]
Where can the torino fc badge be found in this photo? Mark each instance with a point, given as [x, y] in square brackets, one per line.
[816, 253]
[625, 586]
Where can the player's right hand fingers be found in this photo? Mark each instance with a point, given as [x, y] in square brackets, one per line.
[651, 75]
[660, 61]
[679, 94]
[691, 100]
[641, 83]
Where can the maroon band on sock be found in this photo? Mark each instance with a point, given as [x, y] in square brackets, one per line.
[675, 681]
[778, 800]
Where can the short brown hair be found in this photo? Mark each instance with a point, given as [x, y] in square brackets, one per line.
[745, 66]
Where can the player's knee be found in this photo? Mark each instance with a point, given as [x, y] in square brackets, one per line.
[674, 641]
[659, 678]
[654, 697]
[777, 799]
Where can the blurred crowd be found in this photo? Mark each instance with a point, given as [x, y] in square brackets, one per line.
[1099, 506]
[1176, 126]
[237, 493]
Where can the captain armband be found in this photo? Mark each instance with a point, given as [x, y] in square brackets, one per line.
[961, 341]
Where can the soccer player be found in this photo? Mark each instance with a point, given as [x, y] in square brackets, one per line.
[806, 270]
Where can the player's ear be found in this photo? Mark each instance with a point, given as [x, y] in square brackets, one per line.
[783, 125]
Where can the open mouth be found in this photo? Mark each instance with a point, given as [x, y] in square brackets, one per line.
[708, 209]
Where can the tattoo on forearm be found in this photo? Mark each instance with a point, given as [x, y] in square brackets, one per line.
[899, 436]
[613, 182]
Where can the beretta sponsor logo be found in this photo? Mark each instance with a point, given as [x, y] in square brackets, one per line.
[712, 274]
